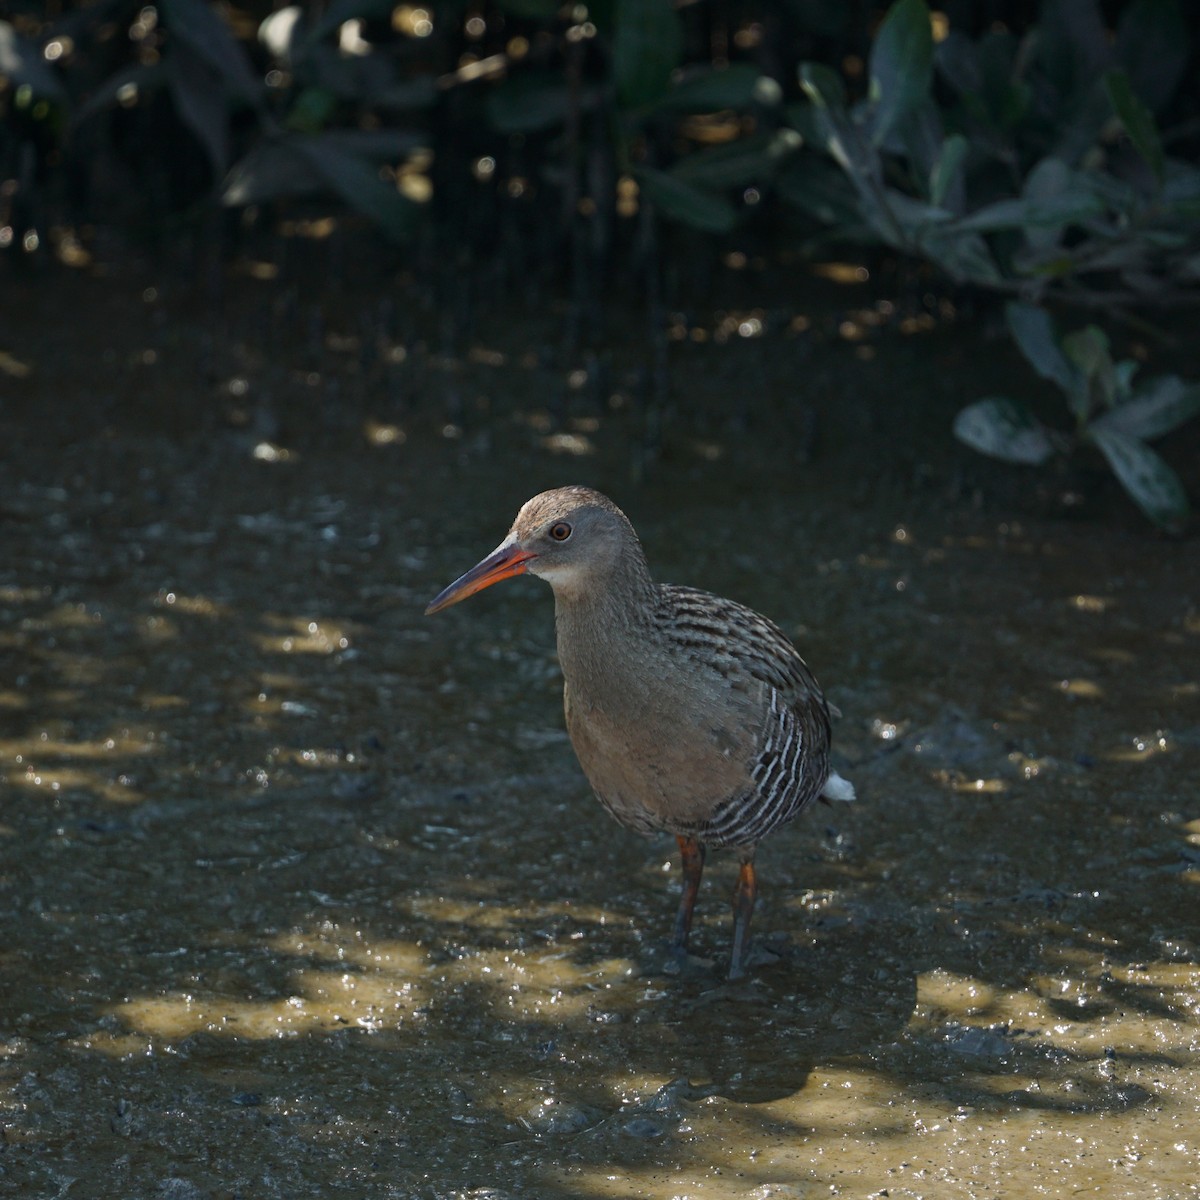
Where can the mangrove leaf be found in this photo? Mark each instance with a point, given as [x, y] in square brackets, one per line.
[711, 89]
[1161, 405]
[1003, 429]
[1137, 119]
[1153, 46]
[647, 47]
[1154, 487]
[1033, 330]
[900, 67]
[208, 36]
[686, 203]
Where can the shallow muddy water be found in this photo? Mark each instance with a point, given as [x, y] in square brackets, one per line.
[303, 893]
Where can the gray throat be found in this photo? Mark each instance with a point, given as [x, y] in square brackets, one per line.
[605, 635]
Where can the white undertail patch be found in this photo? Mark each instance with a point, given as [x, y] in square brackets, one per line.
[837, 788]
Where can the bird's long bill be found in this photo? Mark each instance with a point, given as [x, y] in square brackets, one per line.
[506, 560]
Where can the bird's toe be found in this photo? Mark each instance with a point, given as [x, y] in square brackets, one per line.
[680, 961]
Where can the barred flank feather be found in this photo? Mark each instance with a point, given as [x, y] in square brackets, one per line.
[792, 766]
[788, 776]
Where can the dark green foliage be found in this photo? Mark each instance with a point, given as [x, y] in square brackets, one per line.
[1030, 162]
[1050, 160]
[1110, 413]
[686, 202]
[900, 68]
[646, 47]
[1033, 166]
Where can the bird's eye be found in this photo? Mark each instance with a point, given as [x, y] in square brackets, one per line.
[560, 531]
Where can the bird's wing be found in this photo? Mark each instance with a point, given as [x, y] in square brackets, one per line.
[740, 643]
[788, 760]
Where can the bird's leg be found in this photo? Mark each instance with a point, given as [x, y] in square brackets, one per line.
[692, 853]
[744, 895]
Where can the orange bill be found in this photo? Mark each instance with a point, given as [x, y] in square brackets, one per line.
[506, 560]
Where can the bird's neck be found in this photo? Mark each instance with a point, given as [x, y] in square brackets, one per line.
[605, 627]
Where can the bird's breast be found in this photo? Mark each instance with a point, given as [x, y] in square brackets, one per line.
[658, 758]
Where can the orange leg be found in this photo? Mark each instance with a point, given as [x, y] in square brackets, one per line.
[692, 853]
[744, 895]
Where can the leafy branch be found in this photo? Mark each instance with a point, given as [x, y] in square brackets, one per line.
[1034, 168]
[1110, 413]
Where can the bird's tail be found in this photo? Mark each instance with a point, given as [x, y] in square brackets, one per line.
[837, 788]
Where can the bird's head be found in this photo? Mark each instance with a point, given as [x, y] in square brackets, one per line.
[573, 537]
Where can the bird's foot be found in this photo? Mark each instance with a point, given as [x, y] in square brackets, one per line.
[680, 961]
[762, 952]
